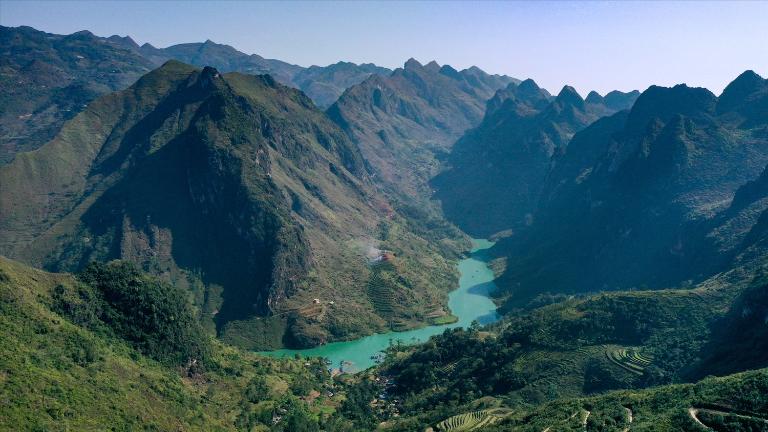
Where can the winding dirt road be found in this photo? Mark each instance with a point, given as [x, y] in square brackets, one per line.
[694, 413]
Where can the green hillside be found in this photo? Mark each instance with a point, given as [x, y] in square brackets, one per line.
[233, 187]
[114, 347]
[729, 404]
[585, 346]
[169, 216]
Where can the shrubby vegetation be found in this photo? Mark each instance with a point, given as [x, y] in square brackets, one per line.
[155, 317]
[77, 353]
[567, 348]
[734, 403]
[575, 348]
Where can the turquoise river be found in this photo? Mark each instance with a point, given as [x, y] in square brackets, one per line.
[470, 302]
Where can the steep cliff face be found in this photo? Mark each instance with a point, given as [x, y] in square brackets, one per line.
[405, 122]
[645, 198]
[495, 172]
[233, 186]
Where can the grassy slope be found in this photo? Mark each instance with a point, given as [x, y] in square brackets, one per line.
[664, 408]
[55, 375]
[580, 347]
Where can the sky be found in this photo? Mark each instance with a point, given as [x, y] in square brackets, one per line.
[590, 45]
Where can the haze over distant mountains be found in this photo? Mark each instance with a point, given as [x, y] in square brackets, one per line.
[509, 155]
[51, 77]
[207, 202]
[406, 121]
[639, 198]
[324, 84]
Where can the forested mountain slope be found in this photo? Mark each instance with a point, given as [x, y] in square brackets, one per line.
[234, 187]
[404, 123]
[646, 198]
[50, 78]
[670, 195]
[583, 346]
[496, 171]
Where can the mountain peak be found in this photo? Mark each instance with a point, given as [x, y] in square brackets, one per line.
[210, 72]
[168, 69]
[449, 71]
[412, 63]
[432, 67]
[82, 33]
[123, 40]
[528, 92]
[475, 69]
[594, 98]
[619, 101]
[569, 96]
[528, 85]
[740, 89]
[664, 102]
[748, 76]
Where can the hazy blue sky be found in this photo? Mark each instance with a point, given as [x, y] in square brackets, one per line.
[596, 45]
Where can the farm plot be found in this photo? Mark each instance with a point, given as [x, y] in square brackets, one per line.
[629, 359]
[474, 420]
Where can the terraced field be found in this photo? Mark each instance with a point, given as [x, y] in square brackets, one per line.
[474, 420]
[557, 369]
[629, 359]
[381, 291]
[448, 369]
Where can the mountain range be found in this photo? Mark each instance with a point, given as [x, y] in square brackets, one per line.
[163, 211]
[640, 270]
[50, 78]
[509, 155]
[646, 198]
[233, 186]
[323, 84]
[406, 122]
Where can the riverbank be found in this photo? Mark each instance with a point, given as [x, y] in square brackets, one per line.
[470, 302]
